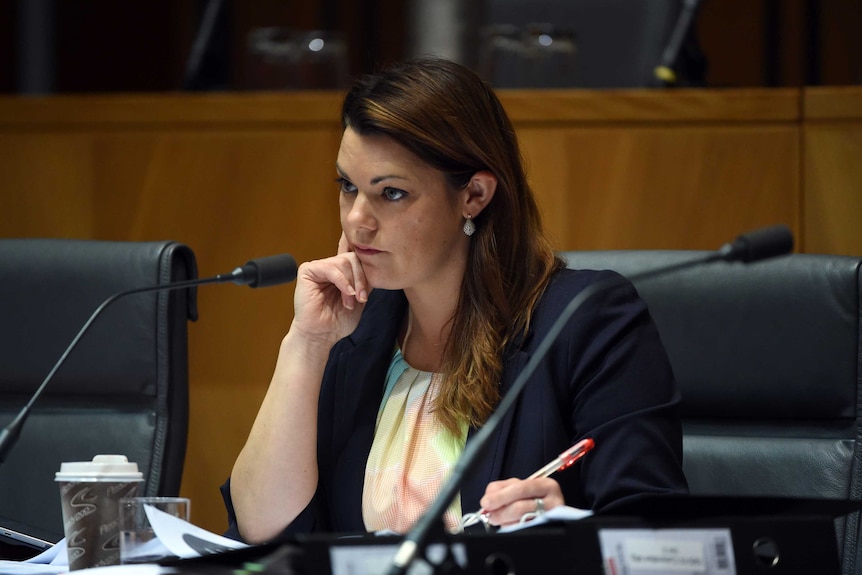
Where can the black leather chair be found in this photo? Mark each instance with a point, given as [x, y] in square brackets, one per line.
[769, 361]
[123, 389]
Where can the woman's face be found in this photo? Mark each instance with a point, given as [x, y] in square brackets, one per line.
[399, 216]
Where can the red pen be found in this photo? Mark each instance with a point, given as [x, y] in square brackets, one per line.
[565, 459]
[562, 461]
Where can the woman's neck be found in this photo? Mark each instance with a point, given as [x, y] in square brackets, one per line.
[425, 333]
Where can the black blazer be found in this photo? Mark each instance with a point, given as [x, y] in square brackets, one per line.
[607, 377]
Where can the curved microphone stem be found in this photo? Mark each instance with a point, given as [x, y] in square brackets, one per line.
[756, 245]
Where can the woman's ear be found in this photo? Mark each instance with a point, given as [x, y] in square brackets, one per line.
[480, 191]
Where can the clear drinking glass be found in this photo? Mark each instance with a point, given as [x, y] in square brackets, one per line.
[138, 542]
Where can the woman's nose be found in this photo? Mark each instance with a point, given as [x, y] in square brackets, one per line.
[361, 213]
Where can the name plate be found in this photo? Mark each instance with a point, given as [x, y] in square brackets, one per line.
[678, 551]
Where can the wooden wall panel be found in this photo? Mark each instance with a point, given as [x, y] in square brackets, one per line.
[650, 169]
[832, 171]
[660, 187]
[46, 187]
[833, 189]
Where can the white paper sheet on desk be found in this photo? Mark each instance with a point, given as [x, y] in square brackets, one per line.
[51, 561]
[561, 513]
[184, 539]
[180, 537]
[20, 568]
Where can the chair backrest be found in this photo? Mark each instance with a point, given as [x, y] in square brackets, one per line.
[123, 389]
[619, 42]
[768, 361]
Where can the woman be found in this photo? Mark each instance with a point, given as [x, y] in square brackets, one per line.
[404, 341]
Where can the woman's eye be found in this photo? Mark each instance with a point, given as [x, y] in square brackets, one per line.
[393, 194]
[345, 186]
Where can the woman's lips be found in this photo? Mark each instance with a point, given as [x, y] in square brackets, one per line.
[365, 250]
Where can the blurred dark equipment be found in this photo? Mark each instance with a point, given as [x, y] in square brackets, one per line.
[445, 28]
[36, 61]
[206, 65]
[619, 42]
[279, 58]
[665, 71]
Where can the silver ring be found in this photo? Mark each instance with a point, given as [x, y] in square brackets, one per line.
[540, 506]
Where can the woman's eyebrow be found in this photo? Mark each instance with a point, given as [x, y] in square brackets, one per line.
[374, 181]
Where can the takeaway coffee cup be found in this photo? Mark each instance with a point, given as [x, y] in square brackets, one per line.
[90, 493]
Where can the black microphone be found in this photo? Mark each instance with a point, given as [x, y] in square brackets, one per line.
[264, 272]
[665, 70]
[260, 272]
[753, 246]
[759, 244]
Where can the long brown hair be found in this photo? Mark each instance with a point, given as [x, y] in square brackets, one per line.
[450, 118]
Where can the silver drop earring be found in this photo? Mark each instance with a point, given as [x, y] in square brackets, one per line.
[469, 226]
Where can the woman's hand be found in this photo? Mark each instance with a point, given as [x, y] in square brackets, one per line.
[505, 502]
[330, 295]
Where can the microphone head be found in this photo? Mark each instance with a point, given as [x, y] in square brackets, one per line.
[265, 272]
[759, 244]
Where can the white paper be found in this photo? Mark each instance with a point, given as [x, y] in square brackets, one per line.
[53, 555]
[21, 568]
[185, 540]
[560, 513]
[51, 561]
[139, 569]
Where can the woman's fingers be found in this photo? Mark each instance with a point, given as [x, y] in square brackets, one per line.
[330, 294]
[323, 282]
[336, 271]
[359, 283]
[507, 501]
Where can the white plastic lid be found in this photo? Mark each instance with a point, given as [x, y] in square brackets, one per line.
[102, 468]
